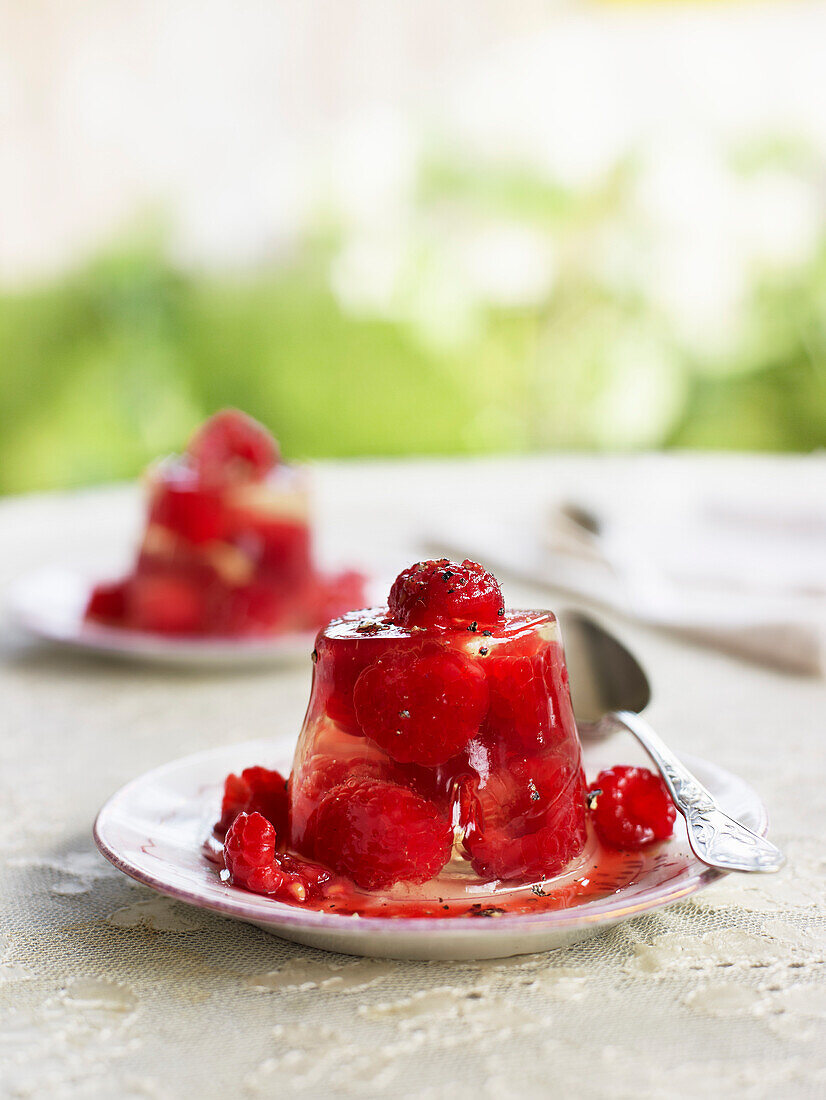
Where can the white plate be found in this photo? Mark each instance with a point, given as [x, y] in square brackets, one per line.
[153, 830]
[50, 604]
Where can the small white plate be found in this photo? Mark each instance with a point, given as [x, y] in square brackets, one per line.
[50, 604]
[153, 829]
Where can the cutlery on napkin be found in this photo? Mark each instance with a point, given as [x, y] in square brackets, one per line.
[733, 581]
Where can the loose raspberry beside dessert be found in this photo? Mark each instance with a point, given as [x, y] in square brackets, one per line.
[255, 790]
[442, 593]
[252, 862]
[632, 808]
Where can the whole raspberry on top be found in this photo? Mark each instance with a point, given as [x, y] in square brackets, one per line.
[442, 593]
[379, 833]
[633, 808]
[231, 447]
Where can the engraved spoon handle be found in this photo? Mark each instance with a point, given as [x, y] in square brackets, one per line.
[715, 838]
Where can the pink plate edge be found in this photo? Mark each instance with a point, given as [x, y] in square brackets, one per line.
[602, 911]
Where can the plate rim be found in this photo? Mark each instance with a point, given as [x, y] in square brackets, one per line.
[593, 913]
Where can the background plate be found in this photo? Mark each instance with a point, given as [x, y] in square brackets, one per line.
[49, 604]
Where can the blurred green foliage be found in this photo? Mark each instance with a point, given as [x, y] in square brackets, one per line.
[107, 367]
[119, 362]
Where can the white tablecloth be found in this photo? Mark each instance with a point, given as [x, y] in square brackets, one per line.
[107, 990]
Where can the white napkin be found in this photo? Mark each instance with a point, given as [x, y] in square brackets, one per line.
[731, 574]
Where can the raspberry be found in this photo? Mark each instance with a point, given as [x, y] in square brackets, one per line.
[546, 852]
[230, 448]
[249, 609]
[167, 603]
[323, 772]
[107, 603]
[338, 668]
[252, 862]
[339, 592]
[634, 808]
[316, 777]
[255, 790]
[528, 820]
[442, 593]
[500, 854]
[378, 833]
[529, 702]
[421, 709]
[285, 550]
[194, 514]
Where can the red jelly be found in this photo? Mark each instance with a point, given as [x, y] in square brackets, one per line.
[439, 744]
[227, 548]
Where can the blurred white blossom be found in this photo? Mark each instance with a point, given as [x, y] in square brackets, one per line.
[507, 264]
[783, 216]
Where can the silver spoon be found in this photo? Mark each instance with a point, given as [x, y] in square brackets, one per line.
[610, 689]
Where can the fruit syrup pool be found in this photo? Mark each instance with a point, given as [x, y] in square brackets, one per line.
[598, 873]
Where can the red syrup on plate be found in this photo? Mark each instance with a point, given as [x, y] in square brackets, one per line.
[601, 873]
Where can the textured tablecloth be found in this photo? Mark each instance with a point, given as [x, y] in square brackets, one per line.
[108, 990]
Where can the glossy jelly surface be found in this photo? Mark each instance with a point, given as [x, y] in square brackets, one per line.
[436, 759]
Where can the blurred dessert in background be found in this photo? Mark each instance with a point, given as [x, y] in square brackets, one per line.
[439, 765]
[227, 548]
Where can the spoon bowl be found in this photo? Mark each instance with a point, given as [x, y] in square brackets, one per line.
[604, 675]
[609, 690]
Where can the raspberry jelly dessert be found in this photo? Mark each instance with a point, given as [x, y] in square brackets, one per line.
[227, 547]
[438, 771]
[439, 754]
